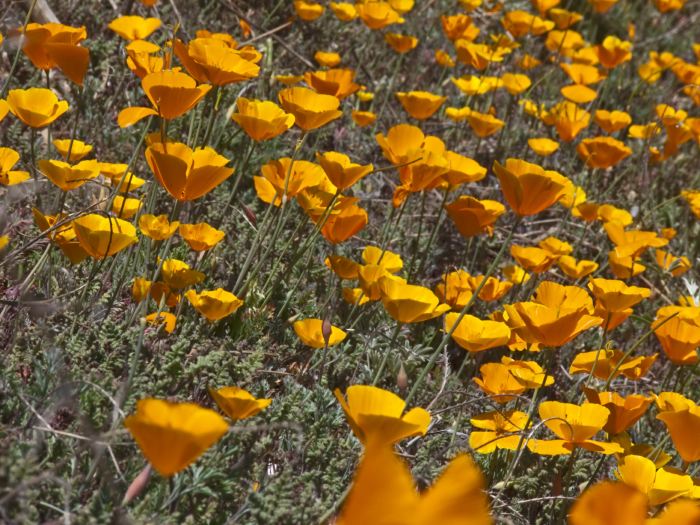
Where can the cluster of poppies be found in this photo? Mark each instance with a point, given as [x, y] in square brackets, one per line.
[547, 305]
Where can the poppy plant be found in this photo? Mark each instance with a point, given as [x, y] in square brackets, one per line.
[610, 503]
[134, 27]
[377, 417]
[624, 411]
[214, 304]
[311, 110]
[141, 59]
[158, 227]
[54, 45]
[178, 274]
[261, 119]
[69, 177]
[408, 303]
[377, 15]
[172, 94]
[102, 236]
[473, 216]
[327, 58]
[499, 383]
[36, 107]
[420, 105]
[76, 148]
[164, 319]
[173, 435]
[313, 333]
[384, 493]
[574, 425]
[475, 335]
[497, 430]
[283, 178]
[211, 60]
[187, 174]
[8, 176]
[64, 236]
[602, 152]
[237, 403]
[335, 82]
[340, 170]
[529, 188]
[201, 236]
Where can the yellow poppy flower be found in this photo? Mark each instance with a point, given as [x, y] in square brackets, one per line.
[102, 236]
[377, 417]
[401, 43]
[178, 274]
[609, 503]
[214, 304]
[612, 121]
[8, 176]
[158, 227]
[377, 15]
[311, 110]
[134, 27]
[344, 11]
[173, 435]
[340, 170]
[624, 411]
[36, 107]
[166, 319]
[54, 45]
[308, 11]
[211, 60]
[78, 149]
[499, 383]
[311, 333]
[125, 207]
[576, 269]
[261, 120]
[327, 58]
[602, 152]
[187, 174]
[602, 363]
[69, 177]
[484, 124]
[497, 430]
[658, 485]
[363, 118]
[420, 105]
[201, 237]
[613, 52]
[475, 335]
[455, 289]
[237, 403]
[141, 59]
[408, 303]
[529, 188]
[472, 216]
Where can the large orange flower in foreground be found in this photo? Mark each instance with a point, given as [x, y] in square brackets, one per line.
[261, 119]
[173, 435]
[187, 174]
[36, 107]
[529, 188]
[55, 45]
[377, 416]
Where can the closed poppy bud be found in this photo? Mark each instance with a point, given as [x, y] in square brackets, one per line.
[311, 333]
[173, 435]
[134, 27]
[378, 417]
[237, 403]
[78, 149]
[529, 188]
[102, 236]
[401, 43]
[472, 216]
[201, 237]
[36, 107]
[214, 304]
[8, 176]
[187, 174]
[158, 227]
[172, 93]
[420, 105]
[311, 110]
[178, 274]
[340, 170]
[308, 11]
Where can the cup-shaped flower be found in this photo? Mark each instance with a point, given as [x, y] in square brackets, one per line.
[76, 148]
[576, 269]
[574, 425]
[343, 225]
[613, 52]
[178, 274]
[172, 93]
[484, 124]
[612, 121]
[533, 258]
[125, 207]
[610, 503]
[682, 419]
[284, 178]
[408, 303]
[141, 58]
[568, 119]
[603, 364]
[336, 82]
[473, 216]
[164, 319]
[237, 403]
[211, 60]
[308, 11]
[173, 435]
[499, 383]
[679, 338]
[550, 326]
[476, 335]
[455, 289]
[363, 118]
[401, 43]
[529, 188]
[201, 236]
[615, 296]
[102, 236]
[462, 169]
[327, 58]
[384, 493]
[344, 11]
[658, 485]
[602, 152]
[8, 176]
[376, 416]
[69, 177]
[261, 119]
[214, 304]
[341, 171]
[377, 15]
[312, 333]
[420, 105]
[311, 110]
[624, 411]
[543, 146]
[187, 174]
[36, 107]
[64, 236]
[54, 45]
[157, 227]
[134, 27]
[403, 142]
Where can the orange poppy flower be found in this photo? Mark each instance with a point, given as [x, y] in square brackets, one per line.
[261, 120]
[624, 411]
[401, 43]
[102, 236]
[473, 216]
[134, 27]
[377, 15]
[682, 419]
[529, 188]
[497, 430]
[602, 152]
[340, 170]
[336, 82]
[475, 335]
[603, 364]
[420, 105]
[281, 179]
[237, 403]
[54, 45]
[36, 107]
[214, 304]
[211, 60]
[311, 110]
[8, 176]
[201, 237]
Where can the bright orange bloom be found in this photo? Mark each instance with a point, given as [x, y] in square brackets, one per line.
[473, 217]
[606, 363]
[36, 107]
[624, 411]
[237, 403]
[602, 152]
[214, 304]
[102, 236]
[282, 179]
[420, 105]
[261, 119]
[134, 27]
[335, 82]
[310, 109]
[211, 60]
[529, 188]
[55, 45]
